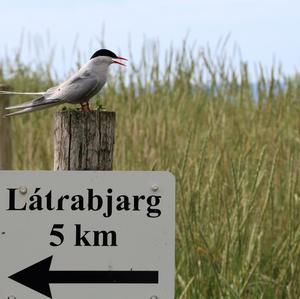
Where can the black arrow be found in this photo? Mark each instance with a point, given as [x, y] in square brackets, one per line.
[38, 277]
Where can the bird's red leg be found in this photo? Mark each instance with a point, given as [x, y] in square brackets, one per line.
[85, 106]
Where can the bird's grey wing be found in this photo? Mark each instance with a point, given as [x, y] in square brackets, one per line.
[30, 109]
[41, 101]
[50, 91]
[36, 104]
[77, 89]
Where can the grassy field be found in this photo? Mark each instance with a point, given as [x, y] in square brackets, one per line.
[235, 155]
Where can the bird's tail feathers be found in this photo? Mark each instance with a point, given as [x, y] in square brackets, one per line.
[35, 103]
[31, 109]
[21, 93]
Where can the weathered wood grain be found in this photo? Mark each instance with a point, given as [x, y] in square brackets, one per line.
[83, 140]
[5, 137]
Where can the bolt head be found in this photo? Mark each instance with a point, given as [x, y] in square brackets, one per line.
[23, 190]
[154, 187]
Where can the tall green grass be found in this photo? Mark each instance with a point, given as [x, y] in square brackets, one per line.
[235, 157]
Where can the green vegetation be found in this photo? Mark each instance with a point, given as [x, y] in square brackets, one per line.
[236, 160]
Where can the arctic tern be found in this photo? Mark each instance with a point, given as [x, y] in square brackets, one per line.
[78, 89]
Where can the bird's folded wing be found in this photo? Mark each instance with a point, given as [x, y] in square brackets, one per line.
[76, 89]
[27, 110]
[42, 101]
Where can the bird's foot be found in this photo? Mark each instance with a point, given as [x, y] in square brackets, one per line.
[85, 107]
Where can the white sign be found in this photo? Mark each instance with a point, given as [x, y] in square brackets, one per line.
[105, 235]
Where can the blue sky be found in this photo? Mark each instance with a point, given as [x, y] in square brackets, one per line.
[265, 30]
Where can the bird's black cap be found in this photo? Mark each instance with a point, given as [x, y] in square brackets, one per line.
[104, 52]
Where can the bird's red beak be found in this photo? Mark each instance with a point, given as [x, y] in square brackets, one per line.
[119, 60]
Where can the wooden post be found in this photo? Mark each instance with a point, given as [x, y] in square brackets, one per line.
[83, 140]
[5, 138]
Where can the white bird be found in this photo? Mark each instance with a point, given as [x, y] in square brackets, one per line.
[78, 89]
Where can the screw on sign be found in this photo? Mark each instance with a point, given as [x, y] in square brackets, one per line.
[23, 190]
[154, 189]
